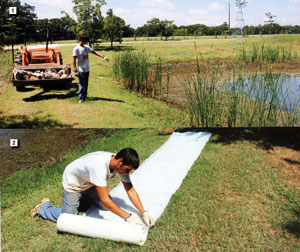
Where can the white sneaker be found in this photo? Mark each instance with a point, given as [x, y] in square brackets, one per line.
[36, 209]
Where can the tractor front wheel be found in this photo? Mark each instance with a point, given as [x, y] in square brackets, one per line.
[18, 59]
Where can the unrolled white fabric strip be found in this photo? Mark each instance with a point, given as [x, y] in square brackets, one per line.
[156, 180]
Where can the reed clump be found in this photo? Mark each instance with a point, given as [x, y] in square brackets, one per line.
[134, 71]
[263, 53]
[238, 98]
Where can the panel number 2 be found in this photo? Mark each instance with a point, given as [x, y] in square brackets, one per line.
[14, 143]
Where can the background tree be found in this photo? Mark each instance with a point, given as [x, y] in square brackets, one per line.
[65, 27]
[167, 28]
[113, 27]
[12, 26]
[89, 18]
[128, 31]
[269, 21]
[153, 27]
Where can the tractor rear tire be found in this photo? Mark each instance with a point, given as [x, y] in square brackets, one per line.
[20, 88]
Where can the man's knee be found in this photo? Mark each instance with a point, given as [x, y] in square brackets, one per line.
[71, 202]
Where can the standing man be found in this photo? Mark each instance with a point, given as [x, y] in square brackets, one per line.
[81, 52]
[87, 177]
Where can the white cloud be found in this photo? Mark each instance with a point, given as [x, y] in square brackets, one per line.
[159, 3]
[52, 8]
[121, 12]
[139, 17]
[216, 6]
[53, 3]
[198, 12]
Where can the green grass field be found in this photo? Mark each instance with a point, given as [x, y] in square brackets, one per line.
[235, 198]
[110, 106]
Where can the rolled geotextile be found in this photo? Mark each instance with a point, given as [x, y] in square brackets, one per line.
[104, 229]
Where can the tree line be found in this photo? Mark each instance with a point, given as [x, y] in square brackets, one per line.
[91, 22]
[15, 29]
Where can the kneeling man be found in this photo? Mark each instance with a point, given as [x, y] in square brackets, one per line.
[87, 177]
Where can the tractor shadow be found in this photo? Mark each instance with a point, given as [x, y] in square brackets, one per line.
[59, 93]
[41, 96]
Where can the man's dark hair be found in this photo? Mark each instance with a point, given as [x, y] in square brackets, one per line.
[130, 157]
[84, 38]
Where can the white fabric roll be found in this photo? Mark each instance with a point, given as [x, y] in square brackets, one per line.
[97, 228]
[156, 180]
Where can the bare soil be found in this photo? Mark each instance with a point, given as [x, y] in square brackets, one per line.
[281, 146]
[40, 147]
[289, 160]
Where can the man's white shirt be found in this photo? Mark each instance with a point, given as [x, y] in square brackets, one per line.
[90, 170]
[82, 54]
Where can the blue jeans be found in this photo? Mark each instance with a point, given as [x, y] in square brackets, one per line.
[71, 202]
[83, 84]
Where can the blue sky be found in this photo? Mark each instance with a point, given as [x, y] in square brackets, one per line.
[183, 12]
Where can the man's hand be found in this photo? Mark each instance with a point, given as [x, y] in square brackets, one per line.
[106, 59]
[133, 219]
[76, 73]
[148, 219]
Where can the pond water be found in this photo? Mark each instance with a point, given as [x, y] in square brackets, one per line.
[284, 89]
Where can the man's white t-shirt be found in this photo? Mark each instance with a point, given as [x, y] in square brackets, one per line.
[82, 54]
[90, 170]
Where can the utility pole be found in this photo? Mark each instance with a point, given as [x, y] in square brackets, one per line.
[229, 16]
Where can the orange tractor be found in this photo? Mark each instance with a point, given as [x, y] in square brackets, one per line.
[40, 65]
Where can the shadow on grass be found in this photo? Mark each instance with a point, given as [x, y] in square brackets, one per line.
[293, 162]
[26, 89]
[114, 49]
[61, 96]
[265, 138]
[43, 96]
[24, 122]
[103, 99]
[294, 227]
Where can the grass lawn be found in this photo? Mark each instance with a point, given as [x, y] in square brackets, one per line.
[236, 197]
[110, 106]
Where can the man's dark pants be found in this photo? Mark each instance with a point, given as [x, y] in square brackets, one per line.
[83, 84]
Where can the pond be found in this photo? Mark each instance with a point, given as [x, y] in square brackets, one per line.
[278, 89]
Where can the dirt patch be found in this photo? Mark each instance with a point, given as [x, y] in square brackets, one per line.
[40, 147]
[289, 162]
[281, 146]
[224, 50]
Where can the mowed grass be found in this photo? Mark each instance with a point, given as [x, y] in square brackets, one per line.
[233, 199]
[210, 47]
[107, 106]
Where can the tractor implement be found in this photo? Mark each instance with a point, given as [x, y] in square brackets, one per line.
[41, 65]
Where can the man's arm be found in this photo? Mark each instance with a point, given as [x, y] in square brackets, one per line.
[109, 203]
[74, 63]
[99, 55]
[134, 197]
